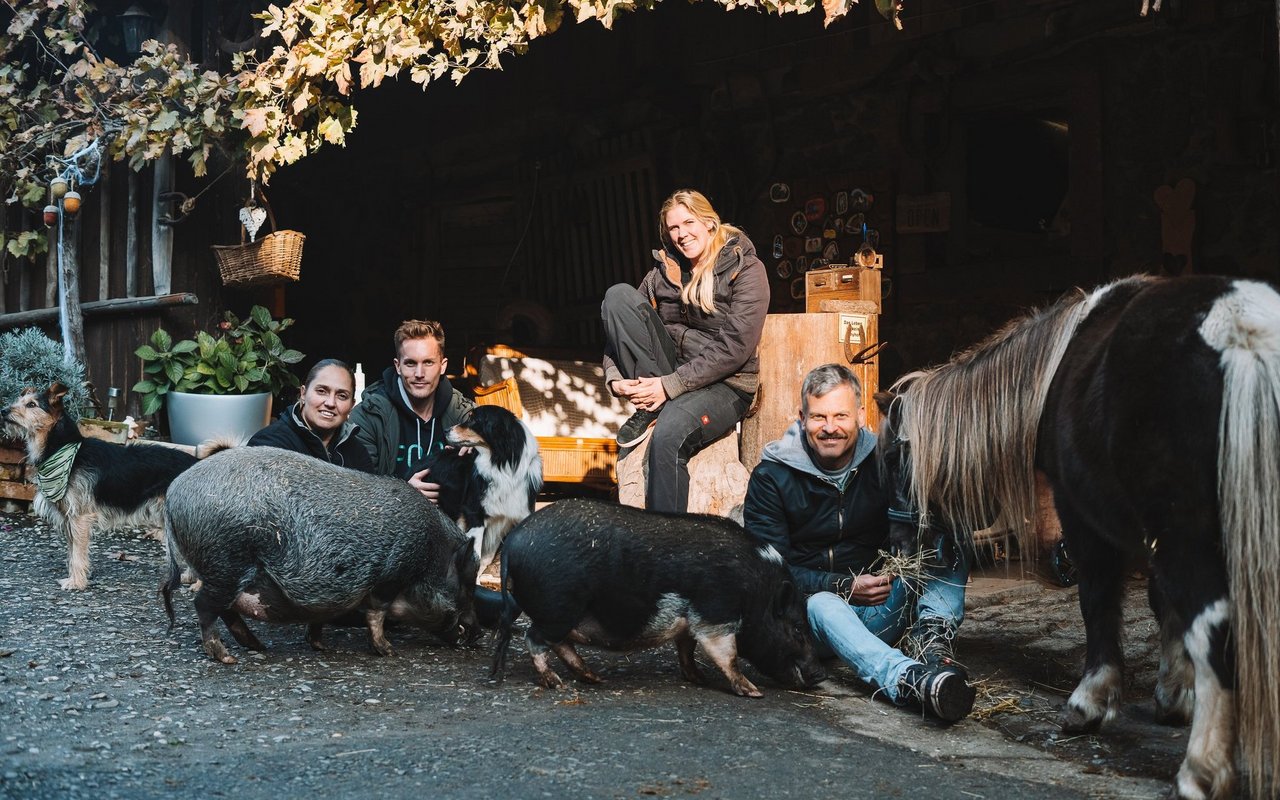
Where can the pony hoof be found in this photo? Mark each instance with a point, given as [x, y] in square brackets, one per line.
[1076, 721]
[1201, 783]
[1172, 716]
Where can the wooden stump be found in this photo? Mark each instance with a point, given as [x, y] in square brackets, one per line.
[793, 344]
[717, 479]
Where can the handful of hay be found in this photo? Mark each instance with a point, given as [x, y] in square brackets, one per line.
[911, 569]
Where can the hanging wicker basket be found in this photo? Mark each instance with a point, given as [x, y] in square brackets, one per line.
[275, 258]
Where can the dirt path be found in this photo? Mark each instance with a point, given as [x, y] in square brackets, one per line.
[100, 700]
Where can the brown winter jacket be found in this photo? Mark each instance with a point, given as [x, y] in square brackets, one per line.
[710, 347]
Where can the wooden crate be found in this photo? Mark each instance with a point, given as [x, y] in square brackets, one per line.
[841, 283]
[566, 459]
[15, 476]
[792, 345]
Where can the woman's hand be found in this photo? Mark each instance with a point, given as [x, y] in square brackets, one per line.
[645, 394]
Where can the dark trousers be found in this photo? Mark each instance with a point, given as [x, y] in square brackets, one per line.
[641, 347]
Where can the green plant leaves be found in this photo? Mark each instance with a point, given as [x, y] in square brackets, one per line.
[242, 358]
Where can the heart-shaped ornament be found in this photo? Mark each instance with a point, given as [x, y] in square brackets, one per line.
[252, 218]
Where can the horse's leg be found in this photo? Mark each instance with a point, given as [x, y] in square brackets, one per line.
[1175, 688]
[1101, 567]
[1194, 585]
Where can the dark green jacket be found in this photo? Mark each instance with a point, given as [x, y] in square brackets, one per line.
[377, 418]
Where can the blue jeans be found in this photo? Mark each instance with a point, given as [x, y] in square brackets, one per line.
[862, 636]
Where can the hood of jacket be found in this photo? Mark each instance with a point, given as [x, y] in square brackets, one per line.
[733, 254]
[294, 415]
[793, 450]
[392, 389]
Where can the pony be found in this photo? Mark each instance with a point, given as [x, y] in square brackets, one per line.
[1153, 407]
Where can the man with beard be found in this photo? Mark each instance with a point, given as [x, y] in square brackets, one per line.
[402, 418]
[817, 498]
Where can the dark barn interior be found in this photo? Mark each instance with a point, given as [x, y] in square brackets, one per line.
[1007, 150]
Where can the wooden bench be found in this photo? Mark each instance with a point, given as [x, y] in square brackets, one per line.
[575, 425]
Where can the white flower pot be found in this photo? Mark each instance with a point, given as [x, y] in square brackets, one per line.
[194, 418]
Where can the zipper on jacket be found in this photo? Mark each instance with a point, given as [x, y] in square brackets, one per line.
[831, 551]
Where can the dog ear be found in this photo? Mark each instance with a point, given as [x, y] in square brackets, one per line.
[57, 391]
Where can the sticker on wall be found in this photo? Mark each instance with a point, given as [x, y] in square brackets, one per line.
[815, 208]
[777, 246]
[838, 224]
[831, 252]
[798, 222]
[813, 244]
[792, 246]
[872, 237]
[797, 289]
[842, 203]
[802, 264]
[784, 269]
[860, 200]
[780, 193]
[855, 223]
[829, 228]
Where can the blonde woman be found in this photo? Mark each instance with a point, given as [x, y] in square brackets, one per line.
[682, 347]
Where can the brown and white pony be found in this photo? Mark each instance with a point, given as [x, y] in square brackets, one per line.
[1153, 406]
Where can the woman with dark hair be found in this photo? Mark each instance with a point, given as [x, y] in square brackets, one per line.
[682, 348]
[317, 424]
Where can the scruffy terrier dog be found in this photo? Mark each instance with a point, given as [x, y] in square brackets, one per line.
[83, 483]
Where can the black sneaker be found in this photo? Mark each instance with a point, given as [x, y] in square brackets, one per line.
[943, 692]
[931, 642]
[636, 429]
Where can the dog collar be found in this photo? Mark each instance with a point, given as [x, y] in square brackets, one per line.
[55, 472]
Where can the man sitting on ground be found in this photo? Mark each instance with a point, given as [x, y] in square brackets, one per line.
[816, 496]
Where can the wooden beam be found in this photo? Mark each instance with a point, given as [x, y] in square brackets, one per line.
[161, 235]
[104, 232]
[119, 305]
[131, 238]
[72, 315]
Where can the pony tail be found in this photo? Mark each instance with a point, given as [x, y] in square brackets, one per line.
[1249, 502]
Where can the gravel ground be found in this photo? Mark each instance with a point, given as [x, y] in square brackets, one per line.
[100, 699]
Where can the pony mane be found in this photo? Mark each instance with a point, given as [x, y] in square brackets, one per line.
[972, 423]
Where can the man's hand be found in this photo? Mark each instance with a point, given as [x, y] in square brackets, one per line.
[646, 394]
[431, 491]
[868, 590]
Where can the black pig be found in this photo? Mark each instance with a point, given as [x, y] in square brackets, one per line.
[592, 572]
[283, 537]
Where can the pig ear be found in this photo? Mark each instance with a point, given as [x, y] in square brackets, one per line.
[464, 561]
[784, 598]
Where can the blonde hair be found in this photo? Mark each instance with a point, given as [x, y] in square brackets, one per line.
[419, 329]
[700, 291]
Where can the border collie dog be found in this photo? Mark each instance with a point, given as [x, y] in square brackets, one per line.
[491, 488]
[83, 483]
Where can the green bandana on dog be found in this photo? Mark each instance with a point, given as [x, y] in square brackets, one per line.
[53, 475]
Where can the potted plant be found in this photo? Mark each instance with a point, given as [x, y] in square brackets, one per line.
[217, 385]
